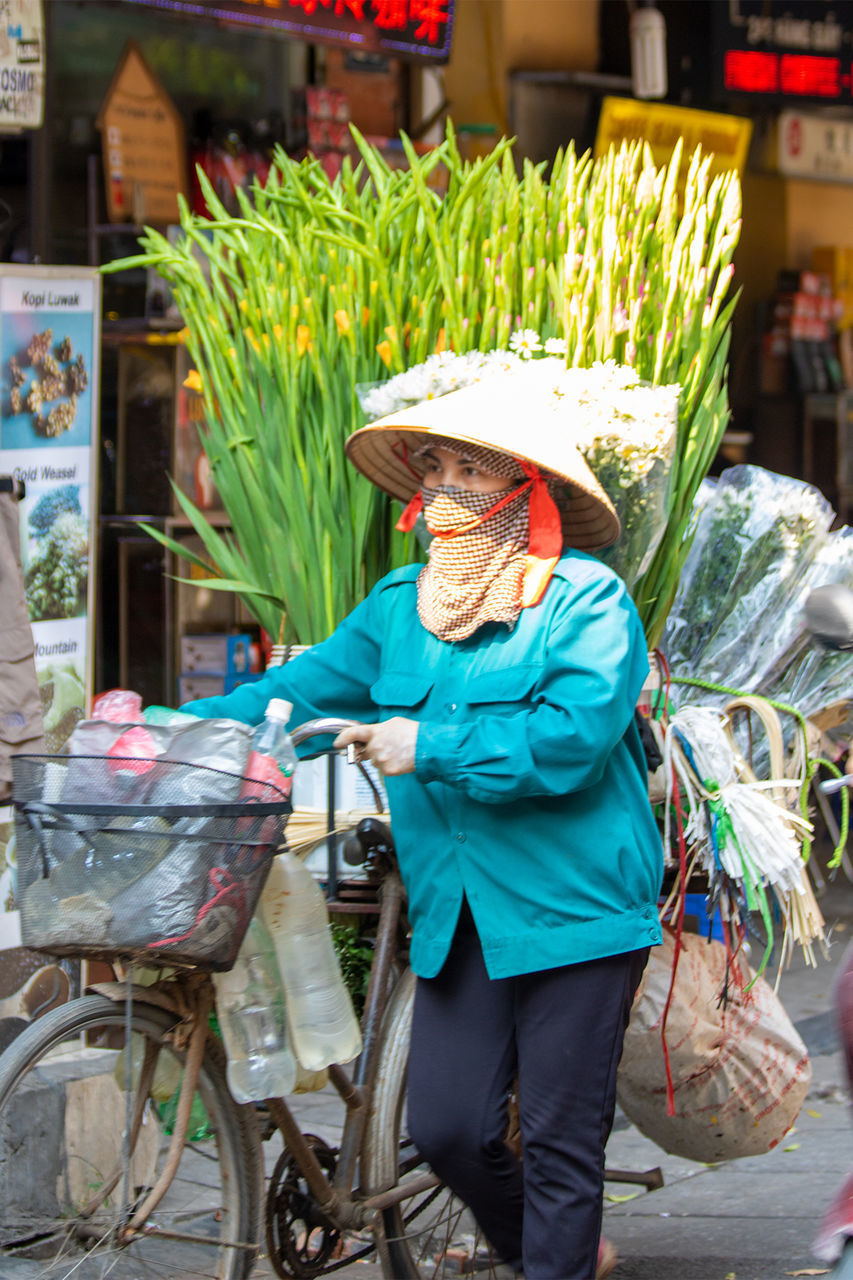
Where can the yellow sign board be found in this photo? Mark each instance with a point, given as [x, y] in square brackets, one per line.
[726, 138]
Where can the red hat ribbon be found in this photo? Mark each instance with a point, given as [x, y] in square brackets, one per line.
[407, 520]
[546, 537]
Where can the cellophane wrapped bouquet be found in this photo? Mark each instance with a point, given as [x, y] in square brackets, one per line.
[625, 428]
[763, 542]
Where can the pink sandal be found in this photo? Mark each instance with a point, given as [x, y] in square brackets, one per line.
[607, 1259]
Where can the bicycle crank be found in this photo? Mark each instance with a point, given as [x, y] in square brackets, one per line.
[301, 1238]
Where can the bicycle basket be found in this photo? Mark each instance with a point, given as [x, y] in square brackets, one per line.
[156, 861]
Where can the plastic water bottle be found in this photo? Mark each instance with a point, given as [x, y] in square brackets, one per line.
[322, 1021]
[251, 1012]
[272, 757]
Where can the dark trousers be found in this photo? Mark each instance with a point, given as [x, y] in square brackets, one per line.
[561, 1031]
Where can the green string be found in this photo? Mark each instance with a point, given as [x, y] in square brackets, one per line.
[756, 898]
[809, 769]
[838, 852]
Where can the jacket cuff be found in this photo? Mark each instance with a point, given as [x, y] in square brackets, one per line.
[436, 751]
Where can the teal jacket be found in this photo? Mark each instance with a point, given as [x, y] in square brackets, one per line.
[529, 793]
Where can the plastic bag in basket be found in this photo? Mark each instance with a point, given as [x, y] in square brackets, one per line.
[172, 881]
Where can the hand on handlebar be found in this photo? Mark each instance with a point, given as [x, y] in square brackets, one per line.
[390, 746]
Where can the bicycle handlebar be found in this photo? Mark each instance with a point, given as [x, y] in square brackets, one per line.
[327, 725]
[323, 725]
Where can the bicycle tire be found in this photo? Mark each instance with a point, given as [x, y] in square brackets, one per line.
[434, 1234]
[70, 1061]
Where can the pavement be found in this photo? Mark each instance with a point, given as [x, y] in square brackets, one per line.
[748, 1219]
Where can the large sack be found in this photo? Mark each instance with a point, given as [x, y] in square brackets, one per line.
[740, 1071]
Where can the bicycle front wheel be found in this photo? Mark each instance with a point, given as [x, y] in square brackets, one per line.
[69, 1181]
[430, 1234]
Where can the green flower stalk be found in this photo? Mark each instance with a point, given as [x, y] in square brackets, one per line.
[319, 286]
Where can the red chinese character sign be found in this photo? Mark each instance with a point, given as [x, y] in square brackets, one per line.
[419, 30]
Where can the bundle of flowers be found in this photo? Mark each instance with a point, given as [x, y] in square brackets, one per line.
[757, 536]
[743, 837]
[763, 542]
[318, 285]
[625, 428]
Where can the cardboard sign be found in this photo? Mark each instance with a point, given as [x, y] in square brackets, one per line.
[21, 65]
[142, 137]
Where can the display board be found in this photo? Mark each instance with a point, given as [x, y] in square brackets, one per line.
[49, 378]
[794, 51]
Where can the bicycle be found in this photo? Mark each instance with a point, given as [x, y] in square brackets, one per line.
[116, 1202]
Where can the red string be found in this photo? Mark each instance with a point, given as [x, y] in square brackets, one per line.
[679, 929]
[223, 890]
[474, 523]
[400, 451]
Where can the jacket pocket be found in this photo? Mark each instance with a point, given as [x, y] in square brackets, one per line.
[507, 685]
[400, 689]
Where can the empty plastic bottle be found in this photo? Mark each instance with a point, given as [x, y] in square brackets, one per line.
[272, 757]
[322, 1022]
[251, 1012]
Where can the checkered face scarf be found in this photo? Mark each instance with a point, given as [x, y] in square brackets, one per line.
[474, 575]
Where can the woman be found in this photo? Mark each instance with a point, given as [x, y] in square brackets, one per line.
[502, 679]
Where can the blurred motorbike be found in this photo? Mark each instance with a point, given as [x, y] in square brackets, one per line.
[829, 618]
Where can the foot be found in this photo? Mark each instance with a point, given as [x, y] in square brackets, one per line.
[607, 1259]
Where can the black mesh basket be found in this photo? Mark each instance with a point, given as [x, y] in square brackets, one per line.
[156, 861]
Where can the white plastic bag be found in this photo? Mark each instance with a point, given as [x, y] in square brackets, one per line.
[740, 1071]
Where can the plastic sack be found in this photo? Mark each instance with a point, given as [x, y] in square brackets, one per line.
[740, 1071]
[757, 535]
[119, 759]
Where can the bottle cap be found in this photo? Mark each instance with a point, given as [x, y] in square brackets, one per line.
[279, 709]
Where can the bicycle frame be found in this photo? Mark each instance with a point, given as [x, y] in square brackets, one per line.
[337, 1198]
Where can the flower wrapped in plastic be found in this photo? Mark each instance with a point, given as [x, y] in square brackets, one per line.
[627, 432]
[757, 535]
[625, 428]
[815, 680]
[794, 665]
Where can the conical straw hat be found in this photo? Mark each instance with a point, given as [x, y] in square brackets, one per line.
[519, 413]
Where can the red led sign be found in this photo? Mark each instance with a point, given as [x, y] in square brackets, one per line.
[807, 76]
[794, 75]
[748, 72]
[419, 29]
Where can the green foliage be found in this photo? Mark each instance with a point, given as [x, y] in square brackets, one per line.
[319, 286]
[355, 953]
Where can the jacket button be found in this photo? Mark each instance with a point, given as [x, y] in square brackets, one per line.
[461, 837]
[451, 707]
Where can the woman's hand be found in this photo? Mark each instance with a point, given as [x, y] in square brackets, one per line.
[390, 746]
